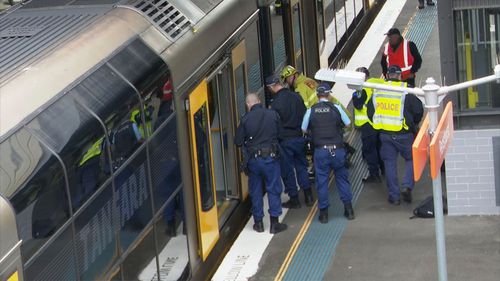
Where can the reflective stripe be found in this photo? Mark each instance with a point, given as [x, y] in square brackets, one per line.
[405, 53]
[93, 151]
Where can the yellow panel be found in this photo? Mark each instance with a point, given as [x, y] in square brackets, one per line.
[208, 223]
[14, 277]
[238, 57]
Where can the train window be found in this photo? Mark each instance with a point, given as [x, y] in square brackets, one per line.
[140, 264]
[278, 35]
[240, 89]
[201, 128]
[165, 165]
[254, 73]
[173, 255]
[297, 37]
[33, 179]
[320, 20]
[57, 262]
[95, 236]
[79, 139]
[139, 64]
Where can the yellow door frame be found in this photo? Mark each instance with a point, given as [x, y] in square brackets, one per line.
[207, 221]
[238, 58]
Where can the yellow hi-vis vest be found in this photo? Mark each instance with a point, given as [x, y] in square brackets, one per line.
[389, 108]
[94, 150]
[361, 115]
[306, 87]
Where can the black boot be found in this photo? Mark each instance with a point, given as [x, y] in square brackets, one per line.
[421, 4]
[323, 215]
[348, 211]
[293, 203]
[372, 179]
[258, 226]
[406, 194]
[308, 196]
[430, 3]
[171, 231]
[276, 226]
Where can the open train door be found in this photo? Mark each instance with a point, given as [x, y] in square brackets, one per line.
[201, 156]
[11, 268]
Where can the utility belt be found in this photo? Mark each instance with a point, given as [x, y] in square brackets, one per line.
[264, 152]
[330, 146]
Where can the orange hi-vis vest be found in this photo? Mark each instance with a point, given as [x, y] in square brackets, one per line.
[402, 57]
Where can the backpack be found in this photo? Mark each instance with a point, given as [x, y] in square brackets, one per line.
[426, 208]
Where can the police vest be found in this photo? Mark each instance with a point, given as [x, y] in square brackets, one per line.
[94, 150]
[402, 57]
[326, 124]
[389, 109]
[361, 115]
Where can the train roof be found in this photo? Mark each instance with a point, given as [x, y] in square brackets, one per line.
[47, 45]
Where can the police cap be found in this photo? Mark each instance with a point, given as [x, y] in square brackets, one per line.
[272, 79]
[323, 89]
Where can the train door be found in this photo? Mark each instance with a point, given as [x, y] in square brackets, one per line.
[202, 159]
[240, 88]
[222, 130]
[10, 252]
[294, 15]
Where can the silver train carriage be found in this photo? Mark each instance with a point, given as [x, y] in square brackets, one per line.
[117, 120]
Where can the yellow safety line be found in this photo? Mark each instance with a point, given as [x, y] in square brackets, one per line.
[296, 243]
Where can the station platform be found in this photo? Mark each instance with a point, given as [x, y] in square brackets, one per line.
[382, 243]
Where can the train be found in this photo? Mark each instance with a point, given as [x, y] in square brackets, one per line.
[117, 120]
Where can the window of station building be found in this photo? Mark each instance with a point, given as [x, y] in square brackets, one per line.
[139, 64]
[32, 178]
[278, 37]
[478, 48]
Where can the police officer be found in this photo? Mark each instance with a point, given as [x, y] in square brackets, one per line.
[369, 136]
[326, 120]
[397, 116]
[258, 132]
[403, 53]
[89, 169]
[290, 108]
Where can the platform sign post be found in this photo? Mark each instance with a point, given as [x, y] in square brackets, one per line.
[420, 149]
[441, 134]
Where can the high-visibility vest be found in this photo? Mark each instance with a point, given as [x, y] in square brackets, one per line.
[361, 115]
[306, 87]
[94, 150]
[402, 57]
[389, 108]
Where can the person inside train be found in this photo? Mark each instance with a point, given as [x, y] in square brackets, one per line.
[261, 143]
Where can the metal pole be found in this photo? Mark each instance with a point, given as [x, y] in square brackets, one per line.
[432, 104]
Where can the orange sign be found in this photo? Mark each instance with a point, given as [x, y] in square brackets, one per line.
[441, 140]
[420, 149]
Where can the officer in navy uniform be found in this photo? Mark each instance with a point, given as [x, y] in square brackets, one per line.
[369, 136]
[291, 110]
[396, 132]
[258, 132]
[325, 121]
